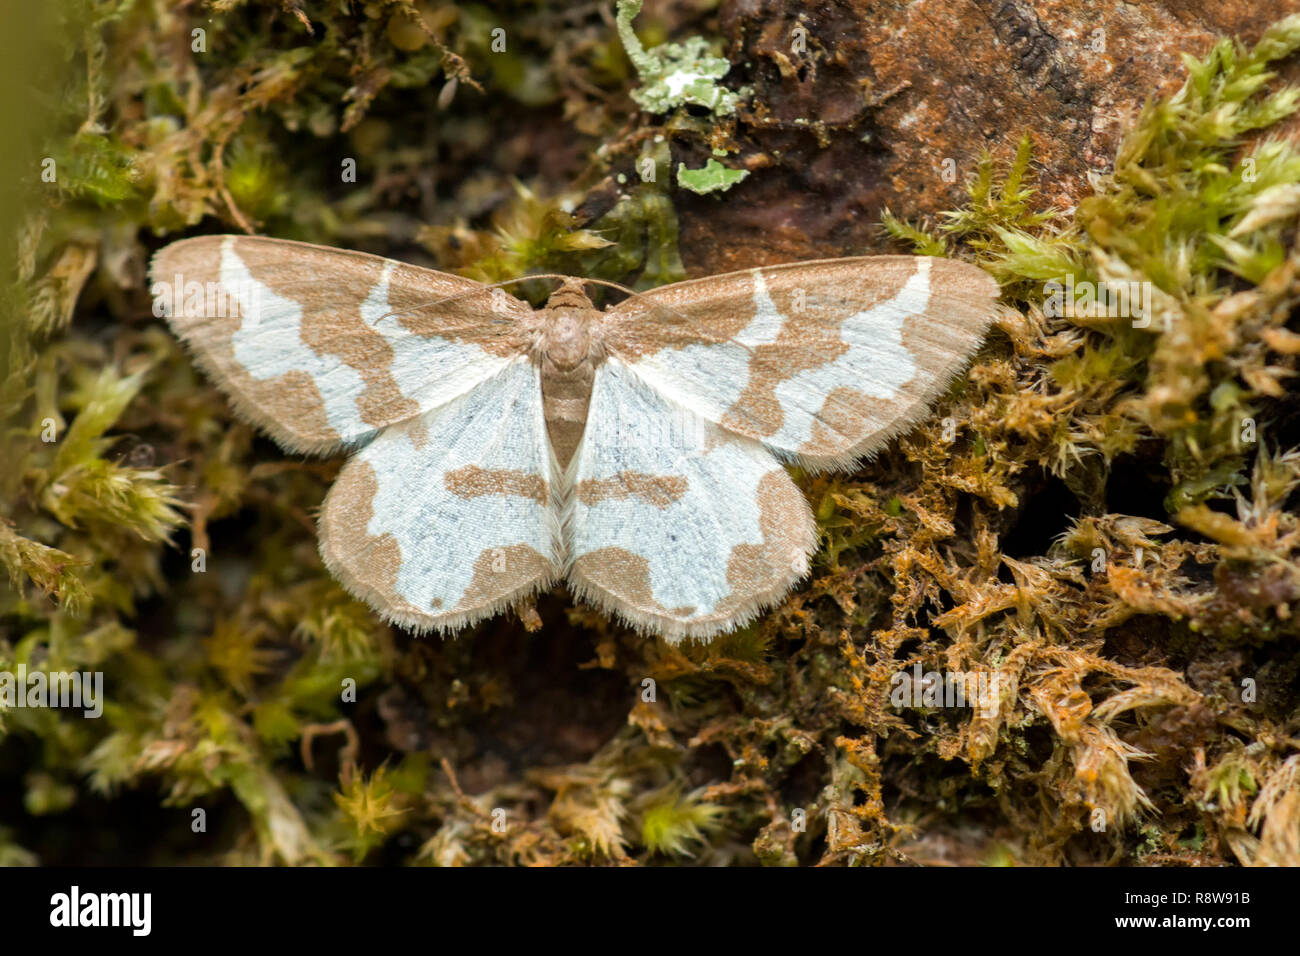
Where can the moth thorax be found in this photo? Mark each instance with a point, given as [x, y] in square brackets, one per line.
[567, 335]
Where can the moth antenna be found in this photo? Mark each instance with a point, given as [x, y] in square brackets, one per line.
[487, 286]
[659, 306]
[483, 287]
[504, 282]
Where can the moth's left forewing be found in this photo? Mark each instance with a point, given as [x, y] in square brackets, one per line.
[322, 347]
[823, 361]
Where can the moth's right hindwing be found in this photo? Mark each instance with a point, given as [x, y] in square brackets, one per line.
[302, 339]
[445, 520]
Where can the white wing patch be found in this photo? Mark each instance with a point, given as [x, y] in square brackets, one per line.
[674, 524]
[269, 344]
[444, 521]
[765, 326]
[714, 378]
[431, 376]
[876, 362]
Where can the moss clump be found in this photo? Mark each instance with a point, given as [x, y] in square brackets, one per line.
[672, 822]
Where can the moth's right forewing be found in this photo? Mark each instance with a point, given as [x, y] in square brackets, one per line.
[322, 347]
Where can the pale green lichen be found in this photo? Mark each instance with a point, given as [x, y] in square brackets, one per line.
[676, 74]
[712, 177]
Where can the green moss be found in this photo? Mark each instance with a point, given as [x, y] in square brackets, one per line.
[672, 822]
[370, 805]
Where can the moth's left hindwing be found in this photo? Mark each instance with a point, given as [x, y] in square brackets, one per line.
[446, 519]
[303, 339]
[820, 361]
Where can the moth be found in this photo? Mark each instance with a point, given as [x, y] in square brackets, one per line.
[634, 452]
